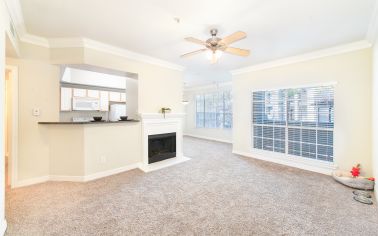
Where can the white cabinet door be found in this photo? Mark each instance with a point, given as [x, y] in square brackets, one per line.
[114, 96]
[123, 97]
[104, 101]
[65, 99]
[79, 92]
[93, 93]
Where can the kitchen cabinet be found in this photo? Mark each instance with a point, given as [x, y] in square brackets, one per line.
[104, 101]
[114, 96]
[93, 93]
[79, 92]
[65, 99]
[123, 97]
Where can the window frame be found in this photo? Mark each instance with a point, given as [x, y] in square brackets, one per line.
[292, 157]
[217, 94]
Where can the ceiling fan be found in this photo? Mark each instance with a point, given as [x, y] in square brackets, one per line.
[216, 46]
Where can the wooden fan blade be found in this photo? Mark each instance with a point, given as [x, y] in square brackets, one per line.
[234, 37]
[194, 40]
[193, 53]
[237, 51]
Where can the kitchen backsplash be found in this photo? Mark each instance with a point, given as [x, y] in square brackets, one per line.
[67, 116]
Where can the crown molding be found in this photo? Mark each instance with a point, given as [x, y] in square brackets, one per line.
[95, 45]
[98, 46]
[33, 39]
[305, 57]
[15, 13]
[221, 85]
[372, 34]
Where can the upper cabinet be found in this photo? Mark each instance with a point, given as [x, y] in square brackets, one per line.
[93, 93]
[114, 96]
[123, 97]
[65, 99]
[104, 101]
[79, 92]
[103, 97]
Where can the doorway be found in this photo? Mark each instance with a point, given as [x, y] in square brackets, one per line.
[11, 125]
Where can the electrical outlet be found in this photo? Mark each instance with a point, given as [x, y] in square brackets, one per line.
[103, 159]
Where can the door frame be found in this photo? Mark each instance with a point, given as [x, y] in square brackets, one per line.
[13, 160]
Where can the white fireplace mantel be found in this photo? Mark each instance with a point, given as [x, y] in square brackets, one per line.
[155, 123]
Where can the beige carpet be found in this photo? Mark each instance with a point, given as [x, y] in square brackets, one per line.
[215, 193]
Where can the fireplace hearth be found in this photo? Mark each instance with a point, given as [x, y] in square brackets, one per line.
[161, 147]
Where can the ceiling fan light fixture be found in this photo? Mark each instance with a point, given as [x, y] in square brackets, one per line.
[216, 53]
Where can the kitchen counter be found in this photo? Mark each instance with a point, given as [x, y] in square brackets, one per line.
[84, 122]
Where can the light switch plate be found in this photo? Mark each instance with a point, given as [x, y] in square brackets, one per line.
[36, 112]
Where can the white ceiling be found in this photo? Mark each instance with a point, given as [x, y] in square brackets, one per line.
[275, 28]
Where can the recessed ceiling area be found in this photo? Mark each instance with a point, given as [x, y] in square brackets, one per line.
[275, 28]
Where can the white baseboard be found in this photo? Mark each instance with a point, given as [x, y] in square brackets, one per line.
[69, 178]
[162, 164]
[3, 227]
[300, 164]
[208, 138]
[27, 182]
[106, 173]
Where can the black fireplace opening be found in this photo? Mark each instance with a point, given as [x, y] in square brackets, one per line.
[161, 147]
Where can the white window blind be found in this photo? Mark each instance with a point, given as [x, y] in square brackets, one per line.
[298, 121]
[214, 110]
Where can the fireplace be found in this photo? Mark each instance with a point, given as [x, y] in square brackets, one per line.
[161, 147]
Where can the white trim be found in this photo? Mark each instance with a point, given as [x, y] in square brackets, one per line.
[66, 42]
[310, 165]
[107, 48]
[372, 32]
[223, 85]
[161, 115]
[68, 178]
[13, 161]
[3, 227]
[15, 13]
[34, 39]
[162, 164]
[76, 178]
[106, 173]
[305, 57]
[16, 16]
[330, 83]
[208, 138]
[27, 182]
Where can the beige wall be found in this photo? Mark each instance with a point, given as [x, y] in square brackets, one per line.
[3, 23]
[81, 150]
[38, 84]
[8, 113]
[111, 146]
[158, 87]
[39, 88]
[190, 117]
[375, 111]
[351, 71]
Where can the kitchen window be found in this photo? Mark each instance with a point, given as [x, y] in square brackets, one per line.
[214, 110]
[296, 121]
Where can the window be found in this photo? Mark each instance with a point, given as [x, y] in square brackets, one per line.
[214, 110]
[298, 122]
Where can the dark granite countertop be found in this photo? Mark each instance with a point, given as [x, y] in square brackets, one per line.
[84, 122]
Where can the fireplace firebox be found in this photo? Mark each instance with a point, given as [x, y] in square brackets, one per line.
[161, 147]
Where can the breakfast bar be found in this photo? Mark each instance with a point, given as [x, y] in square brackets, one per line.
[82, 151]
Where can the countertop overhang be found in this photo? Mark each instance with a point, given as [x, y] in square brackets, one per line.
[85, 122]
